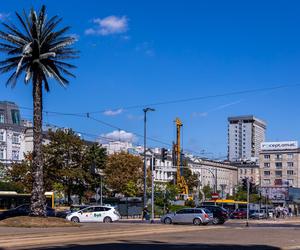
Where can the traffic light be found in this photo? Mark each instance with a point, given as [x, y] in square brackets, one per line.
[244, 184]
[164, 153]
[153, 163]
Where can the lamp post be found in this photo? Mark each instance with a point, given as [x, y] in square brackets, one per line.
[145, 162]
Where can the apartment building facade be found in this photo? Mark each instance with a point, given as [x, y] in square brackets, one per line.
[245, 134]
[12, 133]
[280, 164]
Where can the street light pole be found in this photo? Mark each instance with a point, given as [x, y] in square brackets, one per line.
[145, 162]
[152, 189]
[248, 195]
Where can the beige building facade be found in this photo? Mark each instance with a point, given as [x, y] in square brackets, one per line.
[279, 164]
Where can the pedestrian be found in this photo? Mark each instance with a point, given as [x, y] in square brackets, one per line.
[167, 210]
[145, 213]
[290, 212]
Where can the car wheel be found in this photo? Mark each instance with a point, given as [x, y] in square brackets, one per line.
[107, 220]
[167, 220]
[75, 219]
[216, 221]
[197, 221]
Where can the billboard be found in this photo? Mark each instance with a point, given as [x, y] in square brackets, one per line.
[279, 145]
[275, 193]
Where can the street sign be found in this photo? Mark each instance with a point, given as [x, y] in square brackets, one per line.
[215, 196]
[97, 197]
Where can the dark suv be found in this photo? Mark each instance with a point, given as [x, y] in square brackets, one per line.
[220, 214]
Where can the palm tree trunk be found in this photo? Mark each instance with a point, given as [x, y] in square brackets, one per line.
[38, 204]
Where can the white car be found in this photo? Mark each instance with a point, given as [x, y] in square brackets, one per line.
[104, 214]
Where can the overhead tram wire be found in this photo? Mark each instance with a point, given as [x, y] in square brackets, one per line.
[241, 92]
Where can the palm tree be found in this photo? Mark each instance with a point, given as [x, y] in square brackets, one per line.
[37, 51]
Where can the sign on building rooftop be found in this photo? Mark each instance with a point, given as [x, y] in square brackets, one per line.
[279, 145]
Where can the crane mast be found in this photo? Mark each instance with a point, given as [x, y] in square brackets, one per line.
[180, 181]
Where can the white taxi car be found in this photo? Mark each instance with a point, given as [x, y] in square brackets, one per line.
[104, 214]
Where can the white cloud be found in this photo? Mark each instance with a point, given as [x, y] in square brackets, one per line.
[108, 26]
[120, 135]
[113, 112]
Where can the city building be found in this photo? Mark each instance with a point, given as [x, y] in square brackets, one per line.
[217, 175]
[12, 133]
[279, 164]
[248, 170]
[245, 134]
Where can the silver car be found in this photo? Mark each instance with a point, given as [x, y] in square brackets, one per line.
[196, 216]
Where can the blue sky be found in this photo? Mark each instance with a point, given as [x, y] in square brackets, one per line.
[138, 52]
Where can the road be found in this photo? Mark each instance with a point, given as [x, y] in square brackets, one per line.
[127, 235]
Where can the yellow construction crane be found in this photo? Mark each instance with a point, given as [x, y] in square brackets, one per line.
[180, 181]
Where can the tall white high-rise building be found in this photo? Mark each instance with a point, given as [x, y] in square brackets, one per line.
[245, 134]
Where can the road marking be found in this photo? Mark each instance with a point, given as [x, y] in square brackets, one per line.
[38, 240]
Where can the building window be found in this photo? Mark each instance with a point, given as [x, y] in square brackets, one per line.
[290, 172]
[278, 164]
[245, 171]
[278, 182]
[15, 155]
[1, 154]
[1, 118]
[15, 116]
[241, 171]
[278, 173]
[290, 164]
[267, 181]
[266, 172]
[15, 138]
[267, 157]
[290, 182]
[267, 164]
[251, 171]
[278, 157]
[290, 156]
[1, 136]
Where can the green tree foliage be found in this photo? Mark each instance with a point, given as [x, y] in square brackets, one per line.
[65, 160]
[165, 194]
[207, 190]
[70, 166]
[96, 158]
[190, 178]
[124, 174]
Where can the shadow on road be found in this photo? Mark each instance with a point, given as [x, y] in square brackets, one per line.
[160, 246]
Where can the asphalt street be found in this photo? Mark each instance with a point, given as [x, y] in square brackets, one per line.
[128, 235]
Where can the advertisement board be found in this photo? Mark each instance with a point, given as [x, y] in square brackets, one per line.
[279, 145]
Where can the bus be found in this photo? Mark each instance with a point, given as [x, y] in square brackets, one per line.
[229, 205]
[12, 199]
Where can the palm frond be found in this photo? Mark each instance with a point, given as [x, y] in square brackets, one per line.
[23, 24]
[15, 31]
[37, 48]
[65, 71]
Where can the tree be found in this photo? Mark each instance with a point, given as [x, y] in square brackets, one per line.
[19, 176]
[207, 190]
[37, 49]
[65, 161]
[124, 173]
[96, 158]
[190, 178]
